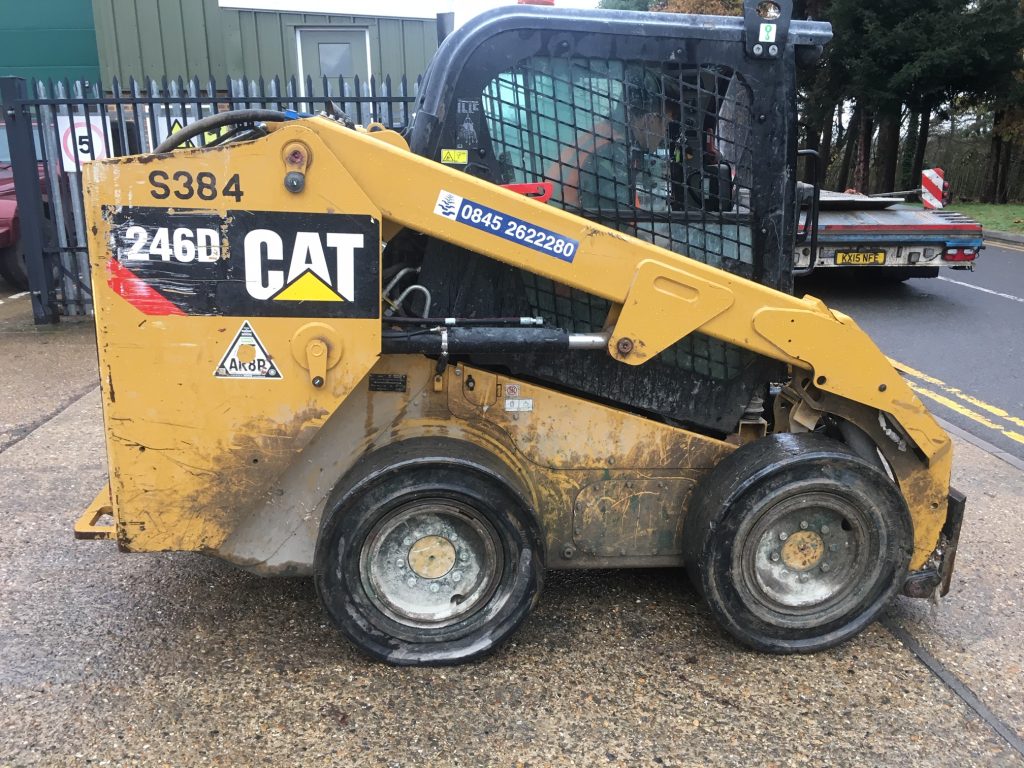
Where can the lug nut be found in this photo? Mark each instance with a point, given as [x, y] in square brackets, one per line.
[435, 587]
[775, 557]
[411, 581]
[803, 525]
[783, 536]
[825, 529]
[825, 567]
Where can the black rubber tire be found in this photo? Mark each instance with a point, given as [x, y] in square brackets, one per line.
[12, 267]
[424, 472]
[751, 485]
[902, 274]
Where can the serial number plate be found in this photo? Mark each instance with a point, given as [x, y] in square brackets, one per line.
[860, 257]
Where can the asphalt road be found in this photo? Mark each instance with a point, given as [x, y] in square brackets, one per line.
[960, 338]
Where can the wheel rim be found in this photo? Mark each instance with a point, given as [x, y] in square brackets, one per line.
[806, 560]
[431, 563]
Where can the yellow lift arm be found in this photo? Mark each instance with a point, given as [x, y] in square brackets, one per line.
[663, 297]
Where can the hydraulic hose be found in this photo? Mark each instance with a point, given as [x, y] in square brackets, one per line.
[216, 121]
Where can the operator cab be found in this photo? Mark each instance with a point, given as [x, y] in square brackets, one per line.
[677, 130]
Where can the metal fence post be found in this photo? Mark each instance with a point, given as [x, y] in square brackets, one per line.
[25, 168]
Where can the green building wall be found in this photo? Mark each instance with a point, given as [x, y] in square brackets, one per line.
[51, 39]
[174, 38]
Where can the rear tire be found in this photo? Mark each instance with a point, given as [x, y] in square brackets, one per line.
[902, 274]
[12, 267]
[428, 556]
[797, 543]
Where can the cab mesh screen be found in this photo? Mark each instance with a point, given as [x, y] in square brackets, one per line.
[657, 151]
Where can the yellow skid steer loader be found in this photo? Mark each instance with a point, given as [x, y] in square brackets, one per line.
[548, 326]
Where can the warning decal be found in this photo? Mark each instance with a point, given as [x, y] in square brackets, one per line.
[247, 358]
[455, 156]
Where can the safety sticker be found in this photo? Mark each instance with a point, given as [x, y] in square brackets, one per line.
[247, 358]
[511, 390]
[767, 33]
[455, 156]
[519, 405]
[466, 135]
[478, 216]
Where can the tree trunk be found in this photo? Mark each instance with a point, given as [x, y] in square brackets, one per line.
[852, 130]
[995, 160]
[907, 180]
[922, 144]
[1003, 183]
[862, 169]
[825, 148]
[813, 142]
[887, 151]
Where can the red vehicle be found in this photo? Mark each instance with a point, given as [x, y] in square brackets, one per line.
[12, 254]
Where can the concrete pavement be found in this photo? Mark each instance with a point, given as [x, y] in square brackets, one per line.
[175, 659]
[996, 236]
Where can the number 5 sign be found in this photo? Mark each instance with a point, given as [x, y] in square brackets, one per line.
[81, 138]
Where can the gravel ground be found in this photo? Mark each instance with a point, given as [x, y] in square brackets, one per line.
[176, 659]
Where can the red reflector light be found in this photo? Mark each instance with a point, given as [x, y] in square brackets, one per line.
[960, 254]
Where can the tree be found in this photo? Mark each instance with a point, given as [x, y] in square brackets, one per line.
[1000, 85]
[709, 7]
[706, 7]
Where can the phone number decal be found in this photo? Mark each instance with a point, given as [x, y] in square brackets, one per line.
[486, 219]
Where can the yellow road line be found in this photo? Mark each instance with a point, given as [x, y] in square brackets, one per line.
[1007, 246]
[965, 411]
[995, 410]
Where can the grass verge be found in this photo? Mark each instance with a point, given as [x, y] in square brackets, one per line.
[1006, 218]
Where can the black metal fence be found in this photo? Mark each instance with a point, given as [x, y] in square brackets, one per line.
[53, 127]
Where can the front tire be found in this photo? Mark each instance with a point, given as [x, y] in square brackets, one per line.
[429, 559]
[797, 543]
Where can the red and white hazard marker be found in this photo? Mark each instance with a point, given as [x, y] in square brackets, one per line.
[931, 187]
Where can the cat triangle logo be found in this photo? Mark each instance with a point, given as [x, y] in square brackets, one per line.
[247, 358]
[308, 287]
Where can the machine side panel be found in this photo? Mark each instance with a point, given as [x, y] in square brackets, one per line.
[220, 296]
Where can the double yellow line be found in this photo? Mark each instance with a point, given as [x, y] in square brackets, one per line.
[1005, 246]
[959, 401]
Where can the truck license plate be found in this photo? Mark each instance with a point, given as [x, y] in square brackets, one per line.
[860, 257]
